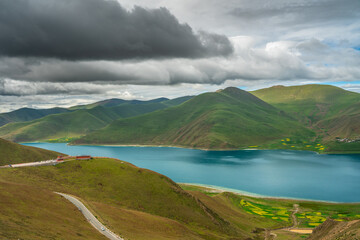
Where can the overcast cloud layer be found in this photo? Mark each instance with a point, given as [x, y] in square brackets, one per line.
[77, 51]
[97, 30]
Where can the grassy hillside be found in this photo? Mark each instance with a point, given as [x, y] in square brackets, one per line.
[332, 111]
[65, 126]
[114, 102]
[275, 213]
[231, 118]
[29, 212]
[177, 101]
[329, 95]
[131, 110]
[125, 198]
[319, 118]
[333, 230]
[69, 124]
[28, 114]
[117, 102]
[11, 153]
[141, 204]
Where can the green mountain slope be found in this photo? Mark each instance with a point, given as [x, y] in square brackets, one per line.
[136, 108]
[117, 102]
[33, 213]
[11, 153]
[70, 124]
[310, 103]
[334, 230]
[177, 101]
[231, 118]
[331, 111]
[112, 189]
[28, 114]
[80, 122]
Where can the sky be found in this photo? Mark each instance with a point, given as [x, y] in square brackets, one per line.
[63, 53]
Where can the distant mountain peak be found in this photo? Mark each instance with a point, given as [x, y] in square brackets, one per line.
[233, 90]
[244, 96]
[278, 86]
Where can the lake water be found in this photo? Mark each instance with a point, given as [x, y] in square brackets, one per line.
[293, 174]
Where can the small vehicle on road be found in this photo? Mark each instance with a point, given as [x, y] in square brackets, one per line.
[102, 229]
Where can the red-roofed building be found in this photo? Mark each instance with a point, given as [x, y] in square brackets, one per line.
[83, 157]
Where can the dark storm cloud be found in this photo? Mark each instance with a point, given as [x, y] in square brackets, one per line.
[99, 29]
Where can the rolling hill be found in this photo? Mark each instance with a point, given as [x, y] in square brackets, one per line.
[116, 102]
[320, 118]
[11, 153]
[33, 213]
[318, 106]
[134, 202]
[28, 114]
[332, 112]
[226, 119]
[82, 121]
[69, 124]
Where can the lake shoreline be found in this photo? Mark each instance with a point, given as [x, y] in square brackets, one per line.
[184, 147]
[203, 149]
[256, 195]
[212, 149]
[276, 173]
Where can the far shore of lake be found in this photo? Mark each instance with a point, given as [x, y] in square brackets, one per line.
[194, 148]
[208, 149]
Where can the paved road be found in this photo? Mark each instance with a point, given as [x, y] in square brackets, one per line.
[32, 164]
[91, 218]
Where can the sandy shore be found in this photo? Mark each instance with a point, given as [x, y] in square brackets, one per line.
[218, 189]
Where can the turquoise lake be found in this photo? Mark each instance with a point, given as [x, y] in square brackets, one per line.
[292, 174]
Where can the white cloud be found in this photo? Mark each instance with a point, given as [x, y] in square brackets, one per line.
[278, 60]
[287, 42]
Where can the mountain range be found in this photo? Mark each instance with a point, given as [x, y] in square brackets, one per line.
[320, 118]
[28, 114]
[80, 120]
[230, 118]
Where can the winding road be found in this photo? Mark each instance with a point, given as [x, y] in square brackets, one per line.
[91, 218]
[88, 215]
[32, 164]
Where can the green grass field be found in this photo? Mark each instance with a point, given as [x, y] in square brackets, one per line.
[11, 153]
[276, 213]
[111, 186]
[29, 212]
